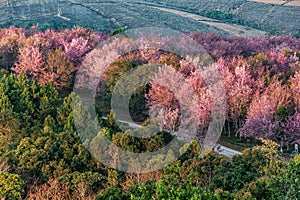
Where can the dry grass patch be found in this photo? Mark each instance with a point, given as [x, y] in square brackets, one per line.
[280, 2]
[293, 3]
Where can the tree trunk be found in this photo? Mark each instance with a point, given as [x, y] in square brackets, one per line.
[236, 128]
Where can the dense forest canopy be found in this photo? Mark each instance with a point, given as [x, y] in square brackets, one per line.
[43, 157]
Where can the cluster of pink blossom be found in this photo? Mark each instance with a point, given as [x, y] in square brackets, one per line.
[292, 129]
[261, 76]
[222, 46]
[26, 50]
[254, 101]
[30, 60]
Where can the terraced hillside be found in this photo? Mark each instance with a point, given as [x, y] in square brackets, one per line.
[238, 17]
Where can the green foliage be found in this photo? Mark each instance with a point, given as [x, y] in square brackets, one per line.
[34, 130]
[257, 189]
[11, 185]
[48, 97]
[64, 116]
[137, 106]
[115, 71]
[112, 178]
[111, 120]
[49, 125]
[93, 180]
[158, 190]
[127, 142]
[200, 171]
[243, 168]
[9, 124]
[58, 69]
[286, 186]
[231, 18]
[283, 113]
[215, 14]
[171, 60]
[40, 142]
[142, 191]
[113, 194]
[118, 31]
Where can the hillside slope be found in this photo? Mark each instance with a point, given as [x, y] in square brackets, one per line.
[108, 15]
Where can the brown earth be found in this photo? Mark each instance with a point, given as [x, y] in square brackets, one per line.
[279, 2]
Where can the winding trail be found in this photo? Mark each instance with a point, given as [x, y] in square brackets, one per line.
[218, 148]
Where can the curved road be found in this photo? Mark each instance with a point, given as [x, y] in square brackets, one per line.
[220, 149]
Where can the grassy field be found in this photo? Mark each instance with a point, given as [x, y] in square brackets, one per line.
[109, 15]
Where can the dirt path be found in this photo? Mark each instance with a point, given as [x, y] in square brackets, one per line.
[232, 29]
[293, 3]
[280, 2]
